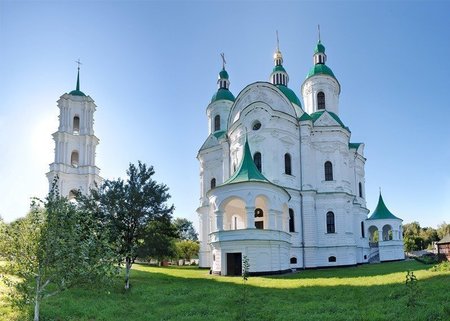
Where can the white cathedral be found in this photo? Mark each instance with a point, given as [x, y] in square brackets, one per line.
[283, 184]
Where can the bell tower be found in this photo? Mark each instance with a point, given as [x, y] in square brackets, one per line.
[75, 144]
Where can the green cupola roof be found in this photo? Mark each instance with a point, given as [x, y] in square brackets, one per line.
[290, 94]
[382, 212]
[247, 170]
[319, 48]
[222, 94]
[77, 91]
[223, 74]
[320, 69]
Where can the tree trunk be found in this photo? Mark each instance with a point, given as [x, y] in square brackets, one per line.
[127, 273]
[37, 299]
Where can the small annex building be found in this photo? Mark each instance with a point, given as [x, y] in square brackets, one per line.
[281, 181]
[443, 246]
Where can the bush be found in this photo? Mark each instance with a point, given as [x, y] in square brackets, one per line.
[430, 258]
[442, 267]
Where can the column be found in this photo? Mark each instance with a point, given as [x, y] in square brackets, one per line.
[218, 214]
[250, 216]
[279, 219]
[272, 220]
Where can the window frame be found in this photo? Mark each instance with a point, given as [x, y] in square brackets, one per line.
[331, 222]
[257, 159]
[328, 171]
[287, 164]
[321, 101]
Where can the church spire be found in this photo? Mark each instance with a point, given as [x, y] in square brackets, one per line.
[77, 91]
[279, 75]
[223, 82]
[319, 52]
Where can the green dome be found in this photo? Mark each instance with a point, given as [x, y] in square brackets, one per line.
[320, 69]
[223, 74]
[222, 94]
[77, 93]
[278, 68]
[289, 93]
[319, 48]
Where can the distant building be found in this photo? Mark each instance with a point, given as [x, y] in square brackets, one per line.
[75, 144]
[443, 246]
[283, 184]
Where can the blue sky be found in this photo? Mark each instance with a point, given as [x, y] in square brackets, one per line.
[151, 68]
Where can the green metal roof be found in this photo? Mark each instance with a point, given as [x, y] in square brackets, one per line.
[354, 145]
[222, 94]
[319, 48]
[247, 171]
[289, 93]
[315, 116]
[279, 68]
[219, 134]
[320, 69]
[305, 116]
[223, 74]
[381, 212]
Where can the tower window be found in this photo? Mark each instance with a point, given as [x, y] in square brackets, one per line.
[217, 123]
[362, 230]
[287, 164]
[76, 125]
[360, 189]
[293, 260]
[74, 159]
[213, 183]
[259, 218]
[291, 220]
[332, 259]
[330, 222]
[320, 100]
[257, 160]
[256, 125]
[328, 171]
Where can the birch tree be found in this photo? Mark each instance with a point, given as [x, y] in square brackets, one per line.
[53, 248]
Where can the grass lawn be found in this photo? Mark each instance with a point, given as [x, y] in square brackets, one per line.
[368, 292]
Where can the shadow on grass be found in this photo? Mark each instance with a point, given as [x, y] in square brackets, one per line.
[158, 294]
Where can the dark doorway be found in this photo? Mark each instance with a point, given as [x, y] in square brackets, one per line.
[234, 263]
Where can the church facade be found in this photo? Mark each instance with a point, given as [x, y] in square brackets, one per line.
[282, 183]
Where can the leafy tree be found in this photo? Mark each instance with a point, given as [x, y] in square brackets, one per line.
[442, 230]
[53, 248]
[185, 228]
[130, 210]
[187, 249]
[160, 235]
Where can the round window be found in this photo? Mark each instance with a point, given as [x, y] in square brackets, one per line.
[256, 125]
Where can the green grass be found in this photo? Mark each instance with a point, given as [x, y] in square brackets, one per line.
[369, 292]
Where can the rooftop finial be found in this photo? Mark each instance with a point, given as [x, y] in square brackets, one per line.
[223, 60]
[278, 42]
[78, 75]
[318, 30]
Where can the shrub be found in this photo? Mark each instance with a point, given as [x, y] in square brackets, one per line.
[442, 267]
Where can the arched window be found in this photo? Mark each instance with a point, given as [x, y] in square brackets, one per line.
[74, 159]
[76, 125]
[259, 218]
[257, 160]
[330, 223]
[287, 164]
[332, 259]
[362, 230]
[293, 260]
[328, 171]
[360, 189]
[213, 183]
[320, 100]
[291, 220]
[217, 123]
